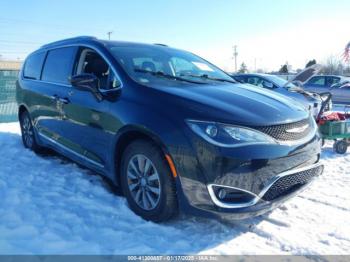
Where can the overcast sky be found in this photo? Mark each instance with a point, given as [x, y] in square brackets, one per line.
[268, 33]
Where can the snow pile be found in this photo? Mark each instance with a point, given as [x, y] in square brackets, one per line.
[49, 205]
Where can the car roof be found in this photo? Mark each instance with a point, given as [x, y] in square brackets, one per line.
[330, 76]
[94, 40]
[252, 74]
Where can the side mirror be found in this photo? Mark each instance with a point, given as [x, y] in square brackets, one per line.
[87, 82]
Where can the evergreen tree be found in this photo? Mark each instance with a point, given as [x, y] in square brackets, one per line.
[243, 68]
[284, 69]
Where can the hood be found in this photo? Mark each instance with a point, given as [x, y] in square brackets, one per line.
[309, 95]
[234, 103]
[306, 98]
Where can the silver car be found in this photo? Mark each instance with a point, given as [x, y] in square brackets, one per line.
[338, 86]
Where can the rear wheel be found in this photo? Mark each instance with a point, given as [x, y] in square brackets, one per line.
[27, 130]
[147, 182]
[340, 146]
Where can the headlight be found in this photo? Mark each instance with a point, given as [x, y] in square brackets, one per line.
[228, 135]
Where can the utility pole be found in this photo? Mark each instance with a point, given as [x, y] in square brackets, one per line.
[109, 34]
[255, 64]
[235, 54]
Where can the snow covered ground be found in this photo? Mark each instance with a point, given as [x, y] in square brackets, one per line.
[49, 205]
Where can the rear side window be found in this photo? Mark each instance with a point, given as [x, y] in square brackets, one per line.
[332, 80]
[33, 65]
[58, 65]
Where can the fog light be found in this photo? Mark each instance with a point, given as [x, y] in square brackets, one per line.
[222, 193]
[211, 130]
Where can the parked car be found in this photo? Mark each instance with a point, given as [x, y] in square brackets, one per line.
[311, 101]
[173, 131]
[338, 86]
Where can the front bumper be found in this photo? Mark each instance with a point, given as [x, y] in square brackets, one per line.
[262, 172]
[277, 187]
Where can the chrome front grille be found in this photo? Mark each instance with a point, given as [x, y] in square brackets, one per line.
[290, 183]
[288, 132]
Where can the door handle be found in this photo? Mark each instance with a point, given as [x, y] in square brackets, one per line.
[64, 100]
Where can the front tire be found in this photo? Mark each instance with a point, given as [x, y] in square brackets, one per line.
[147, 182]
[27, 131]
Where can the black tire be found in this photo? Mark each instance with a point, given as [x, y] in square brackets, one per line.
[165, 203]
[340, 146]
[27, 131]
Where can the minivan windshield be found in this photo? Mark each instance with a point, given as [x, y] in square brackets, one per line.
[149, 64]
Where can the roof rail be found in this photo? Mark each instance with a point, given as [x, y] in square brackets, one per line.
[160, 44]
[70, 39]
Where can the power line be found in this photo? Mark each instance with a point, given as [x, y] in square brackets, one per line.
[14, 52]
[61, 26]
[19, 42]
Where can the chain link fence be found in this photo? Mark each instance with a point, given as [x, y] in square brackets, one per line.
[8, 105]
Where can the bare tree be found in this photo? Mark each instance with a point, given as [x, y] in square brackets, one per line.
[333, 66]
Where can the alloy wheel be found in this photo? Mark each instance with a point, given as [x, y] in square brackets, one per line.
[143, 182]
[27, 131]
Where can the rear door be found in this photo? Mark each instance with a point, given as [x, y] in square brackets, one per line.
[341, 94]
[34, 93]
[57, 69]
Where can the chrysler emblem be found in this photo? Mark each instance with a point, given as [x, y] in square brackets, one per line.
[298, 129]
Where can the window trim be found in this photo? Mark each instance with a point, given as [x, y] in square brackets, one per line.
[79, 45]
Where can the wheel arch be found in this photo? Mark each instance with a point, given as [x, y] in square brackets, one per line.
[22, 108]
[126, 136]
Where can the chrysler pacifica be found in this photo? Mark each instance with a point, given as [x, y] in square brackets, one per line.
[173, 131]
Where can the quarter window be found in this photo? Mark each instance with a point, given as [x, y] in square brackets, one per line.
[33, 66]
[58, 65]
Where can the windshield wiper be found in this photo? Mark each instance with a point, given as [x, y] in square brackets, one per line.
[161, 74]
[205, 76]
